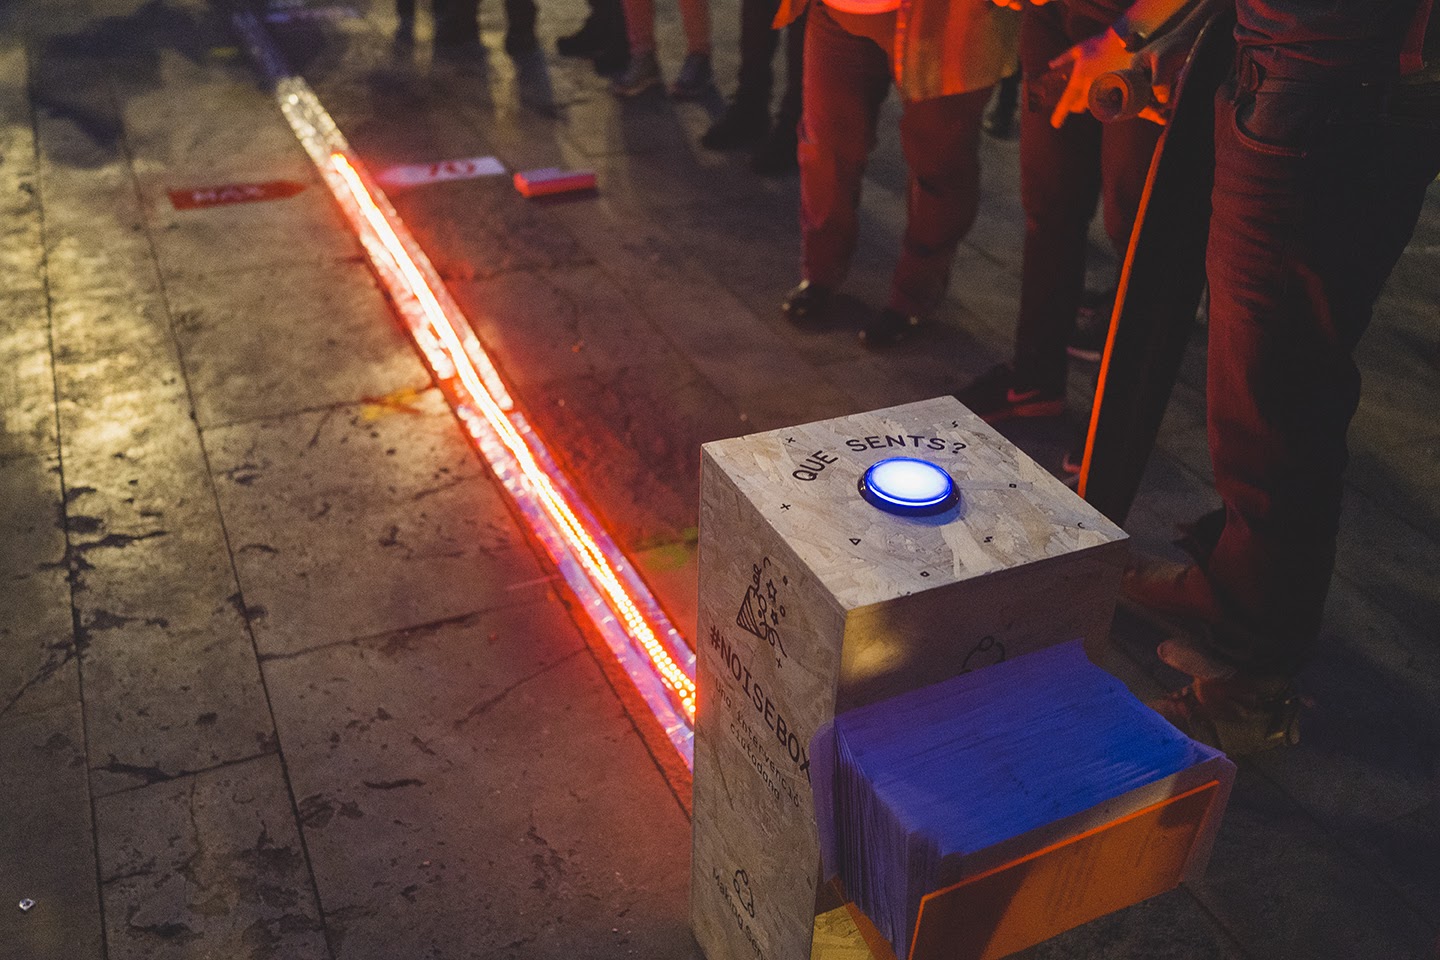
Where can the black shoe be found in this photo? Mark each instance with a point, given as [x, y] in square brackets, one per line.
[609, 63]
[520, 42]
[808, 305]
[778, 154]
[996, 395]
[1092, 325]
[743, 124]
[889, 327]
[695, 78]
[642, 74]
[585, 42]
[999, 125]
[456, 36]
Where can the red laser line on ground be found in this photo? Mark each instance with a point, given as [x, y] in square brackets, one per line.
[573, 529]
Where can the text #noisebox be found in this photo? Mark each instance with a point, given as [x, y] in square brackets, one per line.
[813, 601]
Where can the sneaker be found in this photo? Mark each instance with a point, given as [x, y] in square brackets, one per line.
[642, 74]
[1169, 588]
[1092, 326]
[694, 79]
[808, 305]
[743, 124]
[1074, 459]
[612, 62]
[1226, 708]
[994, 396]
[1240, 717]
[1198, 537]
[889, 327]
[778, 154]
[585, 42]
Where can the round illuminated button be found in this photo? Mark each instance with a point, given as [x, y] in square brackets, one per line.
[908, 487]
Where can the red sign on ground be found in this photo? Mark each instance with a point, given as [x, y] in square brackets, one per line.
[229, 193]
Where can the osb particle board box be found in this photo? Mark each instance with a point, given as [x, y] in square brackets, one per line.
[812, 601]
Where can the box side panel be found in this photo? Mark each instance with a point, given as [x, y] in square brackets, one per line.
[1060, 887]
[924, 638]
[766, 662]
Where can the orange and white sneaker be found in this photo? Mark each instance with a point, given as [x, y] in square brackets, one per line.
[1227, 709]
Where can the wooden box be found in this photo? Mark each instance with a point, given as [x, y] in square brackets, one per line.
[812, 601]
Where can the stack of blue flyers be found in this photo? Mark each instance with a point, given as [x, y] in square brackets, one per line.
[907, 788]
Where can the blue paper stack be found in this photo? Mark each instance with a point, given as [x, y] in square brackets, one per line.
[907, 789]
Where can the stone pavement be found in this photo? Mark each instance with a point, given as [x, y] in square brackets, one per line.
[279, 674]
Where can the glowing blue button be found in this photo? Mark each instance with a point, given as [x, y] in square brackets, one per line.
[908, 487]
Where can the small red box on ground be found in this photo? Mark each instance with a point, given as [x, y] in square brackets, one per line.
[551, 180]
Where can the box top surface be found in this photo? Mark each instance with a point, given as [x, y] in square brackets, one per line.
[804, 481]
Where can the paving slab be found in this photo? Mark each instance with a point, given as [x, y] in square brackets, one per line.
[94, 231]
[473, 790]
[208, 865]
[544, 325]
[37, 650]
[20, 247]
[193, 122]
[1284, 889]
[170, 671]
[362, 519]
[1390, 559]
[1172, 926]
[27, 381]
[264, 342]
[627, 452]
[303, 229]
[118, 381]
[46, 838]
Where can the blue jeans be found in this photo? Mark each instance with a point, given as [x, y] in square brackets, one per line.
[1316, 195]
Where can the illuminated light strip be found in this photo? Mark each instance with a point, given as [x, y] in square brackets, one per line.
[580, 539]
[648, 647]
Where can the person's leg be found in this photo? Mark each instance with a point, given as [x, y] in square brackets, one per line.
[601, 36]
[1059, 185]
[643, 71]
[695, 78]
[640, 26]
[777, 155]
[1309, 218]
[941, 141]
[519, 26]
[1126, 149]
[758, 40]
[747, 116]
[791, 98]
[456, 21]
[846, 79]
[695, 17]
